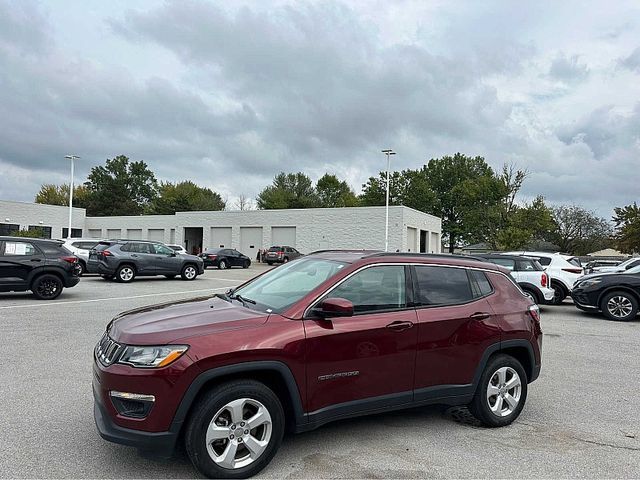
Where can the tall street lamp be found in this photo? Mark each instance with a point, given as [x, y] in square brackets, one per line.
[388, 153]
[72, 158]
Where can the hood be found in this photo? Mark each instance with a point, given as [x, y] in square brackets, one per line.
[167, 322]
[189, 256]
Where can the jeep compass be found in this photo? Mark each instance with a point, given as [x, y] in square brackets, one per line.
[328, 336]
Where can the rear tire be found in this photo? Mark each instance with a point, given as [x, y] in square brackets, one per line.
[82, 269]
[222, 265]
[619, 306]
[47, 287]
[235, 404]
[532, 295]
[125, 273]
[559, 294]
[189, 272]
[501, 392]
[270, 263]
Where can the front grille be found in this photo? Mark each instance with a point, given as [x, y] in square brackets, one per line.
[107, 350]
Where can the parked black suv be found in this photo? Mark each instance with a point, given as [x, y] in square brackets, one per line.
[126, 259]
[43, 266]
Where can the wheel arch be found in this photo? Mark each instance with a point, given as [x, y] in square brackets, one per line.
[274, 374]
[521, 350]
[618, 288]
[52, 271]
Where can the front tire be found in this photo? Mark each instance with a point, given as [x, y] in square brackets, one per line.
[47, 287]
[235, 430]
[501, 393]
[246, 264]
[189, 272]
[125, 273]
[619, 306]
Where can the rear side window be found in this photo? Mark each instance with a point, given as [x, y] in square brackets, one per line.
[480, 285]
[544, 261]
[527, 266]
[137, 247]
[53, 249]
[575, 262]
[504, 262]
[20, 249]
[442, 285]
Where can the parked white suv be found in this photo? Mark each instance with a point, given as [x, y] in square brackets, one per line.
[563, 271]
[626, 265]
[528, 274]
[177, 248]
[80, 248]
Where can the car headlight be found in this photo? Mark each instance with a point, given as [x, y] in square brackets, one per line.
[152, 357]
[589, 282]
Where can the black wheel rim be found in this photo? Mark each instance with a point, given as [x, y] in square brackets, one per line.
[48, 288]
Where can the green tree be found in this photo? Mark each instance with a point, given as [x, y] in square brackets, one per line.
[627, 228]
[184, 197]
[32, 233]
[579, 231]
[524, 225]
[51, 194]
[466, 196]
[333, 192]
[409, 187]
[120, 187]
[288, 190]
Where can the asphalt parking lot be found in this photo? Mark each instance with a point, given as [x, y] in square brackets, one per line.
[582, 417]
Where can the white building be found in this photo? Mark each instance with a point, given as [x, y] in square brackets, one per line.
[305, 229]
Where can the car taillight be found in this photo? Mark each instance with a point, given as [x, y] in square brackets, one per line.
[572, 270]
[280, 253]
[212, 257]
[70, 259]
[107, 253]
[544, 281]
[534, 311]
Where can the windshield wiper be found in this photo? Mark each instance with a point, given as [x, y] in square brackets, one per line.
[223, 296]
[242, 299]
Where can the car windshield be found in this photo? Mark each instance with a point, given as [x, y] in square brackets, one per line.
[283, 286]
[635, 269]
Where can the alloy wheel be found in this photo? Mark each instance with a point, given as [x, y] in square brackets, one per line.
[48, 288]
[619, 306]
[239, 433]
[222, 265]
[126, 274]
[504, 391]
[190, 272]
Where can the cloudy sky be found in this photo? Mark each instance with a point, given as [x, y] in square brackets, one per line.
[229, 93]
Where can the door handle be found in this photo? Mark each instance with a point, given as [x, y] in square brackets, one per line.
[480, 316]
[399, 326]
[36, 259]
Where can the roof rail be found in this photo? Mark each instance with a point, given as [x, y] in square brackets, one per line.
[428, 255]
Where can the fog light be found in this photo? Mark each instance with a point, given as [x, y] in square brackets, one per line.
[133, 405]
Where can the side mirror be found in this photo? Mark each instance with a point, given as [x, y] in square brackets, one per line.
[172, 254]
[334, 307]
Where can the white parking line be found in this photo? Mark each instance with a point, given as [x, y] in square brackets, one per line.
[72, 302]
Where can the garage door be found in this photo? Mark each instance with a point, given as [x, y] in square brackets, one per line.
[134, 233]
[250, 240]
[283, 236]
[114, 233]
[156, 234]
[220, 237]
[95, 233]
[412, 239]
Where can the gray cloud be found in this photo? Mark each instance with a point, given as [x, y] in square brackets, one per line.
[303, 86]
[632, 62]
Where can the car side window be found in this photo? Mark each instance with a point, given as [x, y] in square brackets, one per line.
[544, 261]
[19, 248]
[162, 250]
[525, 266]
[480, 284]
[374, 289]
[505, 262]
[442, 285]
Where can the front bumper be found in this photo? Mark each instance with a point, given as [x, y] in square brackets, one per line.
[583, 301]
[160, 443]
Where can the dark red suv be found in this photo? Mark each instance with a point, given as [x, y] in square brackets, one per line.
[331, 335]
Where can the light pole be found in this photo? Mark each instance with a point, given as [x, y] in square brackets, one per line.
[72, 158]
[388, 153]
